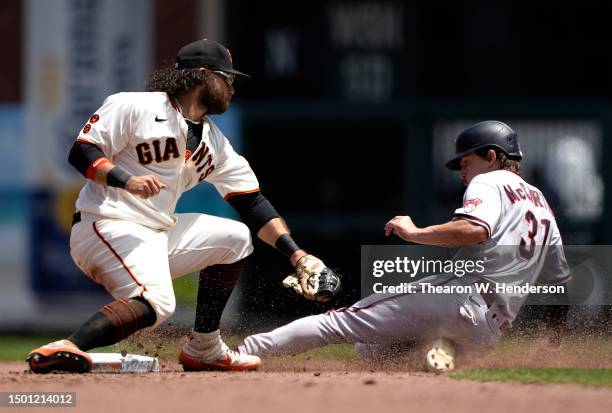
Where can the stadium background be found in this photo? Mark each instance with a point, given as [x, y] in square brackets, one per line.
[347, 122]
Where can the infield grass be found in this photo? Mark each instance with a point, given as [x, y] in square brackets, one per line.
[16, 348]
[588, 377]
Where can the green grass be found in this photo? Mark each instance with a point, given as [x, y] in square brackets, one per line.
[185, 289]
[520, 346]
[342, 352]
[588, 377]
[17, 348]
[14, 348]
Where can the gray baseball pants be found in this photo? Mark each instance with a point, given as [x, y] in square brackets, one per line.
[383, 321]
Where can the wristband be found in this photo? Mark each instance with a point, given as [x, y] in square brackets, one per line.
[95, 165]
[117, 177]
[286, 245]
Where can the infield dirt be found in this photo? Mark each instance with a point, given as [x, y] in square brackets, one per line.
[332, 382]
[301, 385]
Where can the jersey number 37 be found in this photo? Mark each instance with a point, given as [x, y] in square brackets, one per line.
[527, 245]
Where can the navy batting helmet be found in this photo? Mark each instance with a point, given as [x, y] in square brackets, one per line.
[481, 135]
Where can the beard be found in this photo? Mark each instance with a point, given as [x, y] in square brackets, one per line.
[216, 99]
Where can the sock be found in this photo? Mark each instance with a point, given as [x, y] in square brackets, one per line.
[114, 322]
[216, 285]
[207, 346]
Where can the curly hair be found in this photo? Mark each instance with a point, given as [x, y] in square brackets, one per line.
[173, 81]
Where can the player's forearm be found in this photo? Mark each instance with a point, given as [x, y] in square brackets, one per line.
[276, 234]
[100, 174]
[273, 229]
[451, 234]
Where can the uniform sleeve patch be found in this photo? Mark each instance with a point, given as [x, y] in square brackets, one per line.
[471, 204]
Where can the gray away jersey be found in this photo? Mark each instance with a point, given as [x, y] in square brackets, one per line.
[524, 246]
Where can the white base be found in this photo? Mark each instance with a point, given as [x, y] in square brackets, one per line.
[130, 363]
[441, 356]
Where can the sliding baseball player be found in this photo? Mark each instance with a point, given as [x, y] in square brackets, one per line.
[499, 209]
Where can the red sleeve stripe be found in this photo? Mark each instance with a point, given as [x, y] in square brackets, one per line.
[476, 221]
[231, 194]
[95, 165]
[173, 104]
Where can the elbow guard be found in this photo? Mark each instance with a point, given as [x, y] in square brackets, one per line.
[83, 156]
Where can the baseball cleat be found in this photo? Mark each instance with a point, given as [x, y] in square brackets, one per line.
[208, 352]
[232, 361]
[60, 355]
[441, 356]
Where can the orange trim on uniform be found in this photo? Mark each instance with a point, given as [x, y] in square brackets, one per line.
[231, 194]
[95, 165]
[173, 103]
[88, 142]
[83, 140]
[118, 257]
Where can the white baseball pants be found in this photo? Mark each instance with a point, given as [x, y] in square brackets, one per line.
[129, 259]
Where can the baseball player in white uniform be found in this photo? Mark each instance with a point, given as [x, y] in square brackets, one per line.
[504, 220]
[140, 152]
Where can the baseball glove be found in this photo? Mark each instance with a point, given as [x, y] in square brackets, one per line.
[313, 280]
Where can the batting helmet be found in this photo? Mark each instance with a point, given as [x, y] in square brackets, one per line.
[481, 135]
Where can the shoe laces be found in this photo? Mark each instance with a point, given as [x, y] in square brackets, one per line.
[232, 353]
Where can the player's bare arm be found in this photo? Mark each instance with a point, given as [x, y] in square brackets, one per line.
[454, 233]
[272, 231]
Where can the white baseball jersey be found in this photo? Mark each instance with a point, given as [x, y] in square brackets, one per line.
[144, 133]
[524, 245]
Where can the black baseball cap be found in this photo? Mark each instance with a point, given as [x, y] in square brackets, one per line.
[206, 53]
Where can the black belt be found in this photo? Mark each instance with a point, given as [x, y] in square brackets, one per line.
[76, 217]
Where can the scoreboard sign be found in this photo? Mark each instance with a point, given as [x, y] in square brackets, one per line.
[350, 50]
